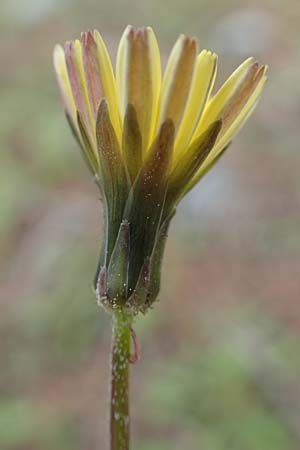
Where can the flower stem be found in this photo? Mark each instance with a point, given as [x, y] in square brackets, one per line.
[119, 399]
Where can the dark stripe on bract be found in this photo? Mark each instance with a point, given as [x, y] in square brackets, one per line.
[113, 178]
[146, 201]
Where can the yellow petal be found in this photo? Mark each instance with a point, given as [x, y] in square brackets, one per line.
[73, 55]
[155, 65]
[237, 124]
[235, 104]
[108, 82]
[91, 70]
[139, 89]
[214, 106]
[139, 81]
[202, 84]
[177, 80]
[233, 129]
[63, 81]
[121, 70]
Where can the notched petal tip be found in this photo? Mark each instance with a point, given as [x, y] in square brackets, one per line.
[177, 80]
[141, 33]
[87, 38]
[187, 44]
[260, 72]
[192, 42]
[243, 92]
[137, 35]
[129, 31]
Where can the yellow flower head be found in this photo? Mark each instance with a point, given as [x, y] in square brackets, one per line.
[148, 138]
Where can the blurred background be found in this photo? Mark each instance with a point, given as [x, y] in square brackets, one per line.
[220, 367]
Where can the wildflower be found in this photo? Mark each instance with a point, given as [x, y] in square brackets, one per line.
[147, 139]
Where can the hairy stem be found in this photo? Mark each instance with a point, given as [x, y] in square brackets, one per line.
[119, 399]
